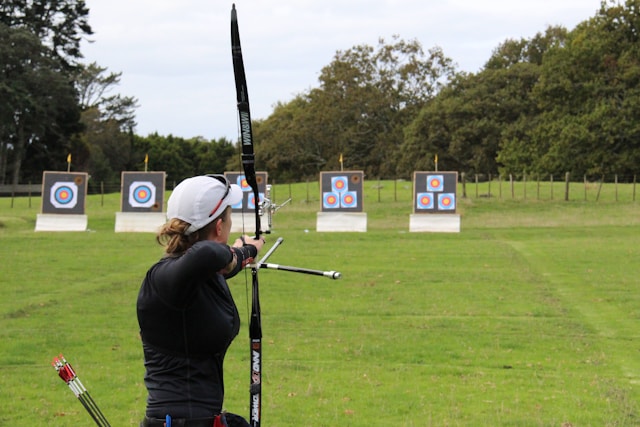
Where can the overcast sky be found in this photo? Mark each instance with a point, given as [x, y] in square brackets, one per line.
[175, 55]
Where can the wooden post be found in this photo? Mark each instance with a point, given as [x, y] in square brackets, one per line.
[476, 186]
[600, 188]
[395, 190]
[464, 185]
[513, 195]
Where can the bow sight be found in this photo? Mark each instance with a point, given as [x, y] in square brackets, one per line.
[269, 207]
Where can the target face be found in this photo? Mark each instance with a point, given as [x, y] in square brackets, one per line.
[142, 194]
[424, 201]
[349, 199]
[435, 183]
[446, 201]
[64, 195]
[330, 201]
[241, 180]
[339, 184]
[251, 203]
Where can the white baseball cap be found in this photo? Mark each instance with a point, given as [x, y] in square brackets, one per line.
[201, 199]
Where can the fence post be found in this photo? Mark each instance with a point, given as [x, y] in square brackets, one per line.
[464, 185]
[600, 188]
[512, 189]
[476, 186]
[566, 186]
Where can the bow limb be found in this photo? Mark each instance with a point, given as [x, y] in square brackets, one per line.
[248, 164]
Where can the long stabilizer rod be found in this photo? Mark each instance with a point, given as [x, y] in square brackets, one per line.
[330, 274]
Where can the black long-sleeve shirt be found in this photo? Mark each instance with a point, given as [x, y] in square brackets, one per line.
[187, 320]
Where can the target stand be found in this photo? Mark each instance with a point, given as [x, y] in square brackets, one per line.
[54, 222]
[63, 199]
[341, 221]
[141, 203]
[434, 223]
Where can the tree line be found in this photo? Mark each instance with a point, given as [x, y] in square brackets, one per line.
[560, 101]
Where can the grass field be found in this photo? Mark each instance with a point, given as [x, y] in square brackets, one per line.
[527, 317]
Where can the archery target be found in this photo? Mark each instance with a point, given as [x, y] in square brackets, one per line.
[142, 194]
[330, 200]
[341, 191]
[348, 199]
[339, 184]
[446, 201]
[64, 192]
[142, 191]
[435, 192]
[248, 200]
[424, 201]
[435, 183]
[64, 195]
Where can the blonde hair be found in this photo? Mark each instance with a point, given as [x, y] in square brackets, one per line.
[172, 234]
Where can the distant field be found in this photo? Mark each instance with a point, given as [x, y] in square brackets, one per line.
[527, 317]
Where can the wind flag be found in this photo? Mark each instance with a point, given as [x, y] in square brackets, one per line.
[341, 162]
[436, 162]
[69, 162]
[146, 161]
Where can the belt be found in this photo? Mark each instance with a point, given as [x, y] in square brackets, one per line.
[178, 422]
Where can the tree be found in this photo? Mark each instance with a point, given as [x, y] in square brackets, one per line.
[465, 123]
[94, 87]
[589, 90]
[58, 24]
[365, 98]
[39, 104]
[39, 44]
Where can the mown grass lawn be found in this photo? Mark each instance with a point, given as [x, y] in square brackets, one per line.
[527, 317]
